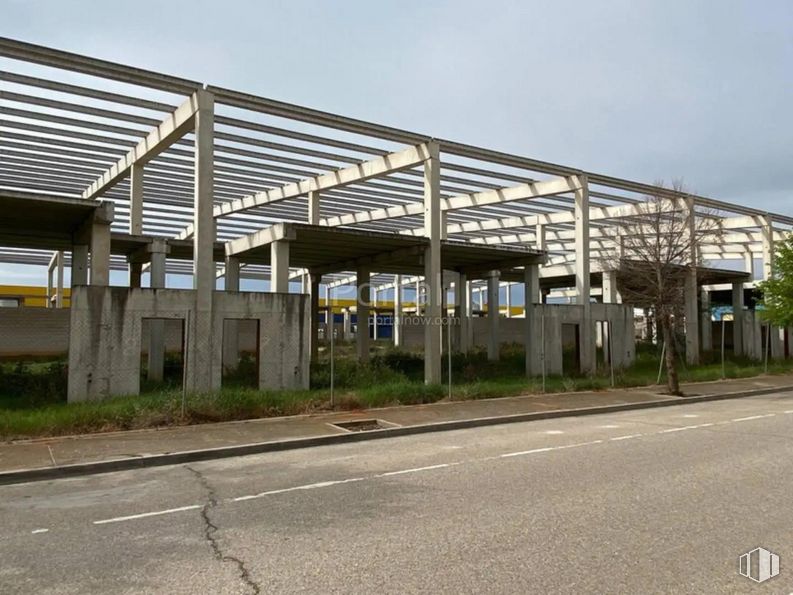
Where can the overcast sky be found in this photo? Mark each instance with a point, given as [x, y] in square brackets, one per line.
[699, 91]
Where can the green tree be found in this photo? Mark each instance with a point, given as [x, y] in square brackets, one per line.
[778, 290]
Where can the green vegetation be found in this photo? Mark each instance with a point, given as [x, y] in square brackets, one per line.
[778, 291]
[32, 395]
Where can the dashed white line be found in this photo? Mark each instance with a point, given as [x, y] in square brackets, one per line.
[670, 430]
[144, 515]
[415, 470]
[547, 449]
[37, 531]
[554, 432]
[309, 486]
[751, 417]
[626, 437]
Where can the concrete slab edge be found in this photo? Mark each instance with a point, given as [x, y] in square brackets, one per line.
[177, 458]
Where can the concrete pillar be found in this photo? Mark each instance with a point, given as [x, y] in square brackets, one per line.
[100, 245]
[737, 318]
[279, 267]
[493, 316]
[581, 214]
[79, 264]
[346, 325]
[706, 326]
[135, 218]
[362, 290]
[313, 207]
[397, 321]
[313, 290]
[433, 329]
[610, 293]
[375, 322]
[418, 296]
[469, 330]
[767, 232]
[231, 328]
[748, 260]
[531, 283]
[691, 291]
[509, 300]
[463, 313]
[59, 263]
[201, 375]
[156, 360]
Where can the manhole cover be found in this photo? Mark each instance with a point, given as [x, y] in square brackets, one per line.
[363, 425]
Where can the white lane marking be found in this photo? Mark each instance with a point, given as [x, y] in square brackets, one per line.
[144, 515]
[690, 415]
[788, 411]
[751, 417]
[626, 437]
[310, 486]
[546, 449]
[680, 429]
[553, 432]
[37, 531]
[609, 426]
[415, 470]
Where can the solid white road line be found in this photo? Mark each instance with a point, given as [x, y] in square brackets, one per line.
[144, 515]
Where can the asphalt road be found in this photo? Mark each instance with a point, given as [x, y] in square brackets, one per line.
[651, 501]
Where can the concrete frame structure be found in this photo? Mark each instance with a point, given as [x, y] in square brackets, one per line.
[218, 170]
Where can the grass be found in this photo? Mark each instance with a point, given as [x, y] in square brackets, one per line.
[32, 395]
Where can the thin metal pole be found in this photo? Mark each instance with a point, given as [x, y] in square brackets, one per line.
[767, 344]
[723, 369]
[661, 363]
[449, 351]
[611, 354]
[542, 351]
[332, 358]
[184, 361]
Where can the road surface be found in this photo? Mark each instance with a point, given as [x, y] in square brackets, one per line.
[659, 500]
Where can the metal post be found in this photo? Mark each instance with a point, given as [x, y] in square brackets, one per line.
[723, 372]
[767, 345]
[449, 351]
[611, 354]
[542, 351]
[332, 362]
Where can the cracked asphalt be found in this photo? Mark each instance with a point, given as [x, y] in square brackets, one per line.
[648, 501]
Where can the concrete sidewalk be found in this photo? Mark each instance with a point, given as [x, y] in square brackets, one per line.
[56, 453]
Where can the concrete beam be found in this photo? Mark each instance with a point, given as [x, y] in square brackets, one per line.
[169, 131]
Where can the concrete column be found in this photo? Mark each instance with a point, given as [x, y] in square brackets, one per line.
[418, 296]
[767, 231]
[375, 322]
[531, 284]
[469, 330]
[347, 325]
[610, 293]
[279, 267]
[200, 374]
[706, 325]
[313, 207]
[100, 245]
[59, 263]
[313, 290]
[362, 290]
[463, 313]
[737, 318]
[433, 329]
[135, 217]
[691, 291]
[748, 260]
[493, 316]
[79, 264]
[581, 214]
[156, 361]
[231, 328]
[509, 299]
[397, 322]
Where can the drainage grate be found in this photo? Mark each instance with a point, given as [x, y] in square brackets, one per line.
[363, 425]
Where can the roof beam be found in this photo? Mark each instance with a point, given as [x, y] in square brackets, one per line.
[158, 140]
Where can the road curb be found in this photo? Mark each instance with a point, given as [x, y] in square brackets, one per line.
[191, 456]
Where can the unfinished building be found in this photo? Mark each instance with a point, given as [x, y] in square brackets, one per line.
[107, 168]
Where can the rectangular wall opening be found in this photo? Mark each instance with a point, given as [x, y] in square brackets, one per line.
[162, 354]
[571, 349]
[240, 353]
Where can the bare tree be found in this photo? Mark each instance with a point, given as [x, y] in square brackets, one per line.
[658, 255]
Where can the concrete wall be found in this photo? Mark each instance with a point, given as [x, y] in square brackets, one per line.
[34, 331]
[550, 320]
[106, 336]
